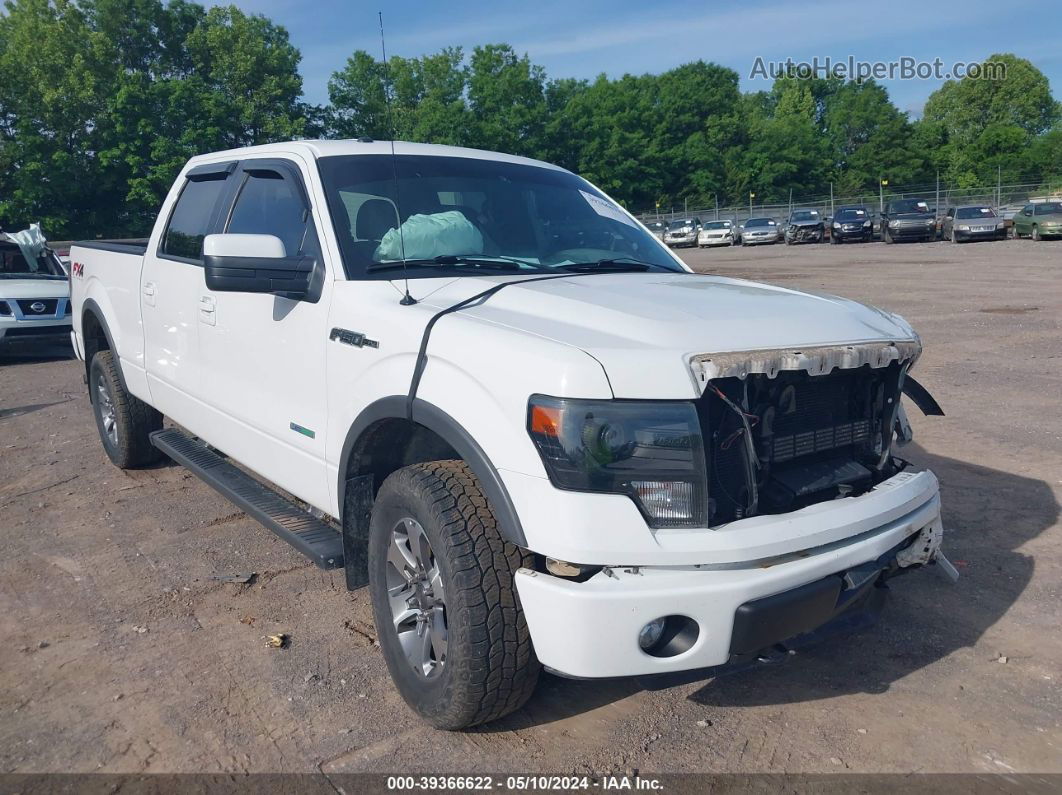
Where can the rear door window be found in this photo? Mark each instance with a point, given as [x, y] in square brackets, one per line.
[191, 217]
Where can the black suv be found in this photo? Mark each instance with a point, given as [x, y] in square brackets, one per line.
[908, 219]
[852, 223]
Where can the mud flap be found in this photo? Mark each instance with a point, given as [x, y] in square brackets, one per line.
[357, 511]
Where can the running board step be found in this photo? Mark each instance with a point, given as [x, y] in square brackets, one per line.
[315, 539]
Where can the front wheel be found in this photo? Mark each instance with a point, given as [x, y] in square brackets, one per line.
[124, 421]
[1036, 234]
[444, 598]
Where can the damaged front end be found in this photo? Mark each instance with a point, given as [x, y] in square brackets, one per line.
[785, 429]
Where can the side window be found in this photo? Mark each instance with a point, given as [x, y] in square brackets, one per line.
[268, 204]
[190, 219]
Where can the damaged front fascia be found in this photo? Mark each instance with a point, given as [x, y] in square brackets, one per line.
[815, 360]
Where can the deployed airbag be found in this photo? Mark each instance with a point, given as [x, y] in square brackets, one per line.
[428, 236]
[31, 243]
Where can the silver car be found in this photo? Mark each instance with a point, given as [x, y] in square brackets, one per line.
[682, 232]
[717, 233]
[760, 230]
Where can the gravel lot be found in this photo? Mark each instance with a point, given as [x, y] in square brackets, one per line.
[122, 652]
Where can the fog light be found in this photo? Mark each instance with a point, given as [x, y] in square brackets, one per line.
[666, 500]
[650, 634]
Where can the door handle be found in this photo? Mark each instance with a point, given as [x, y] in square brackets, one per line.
[207, 307]
[149, 293]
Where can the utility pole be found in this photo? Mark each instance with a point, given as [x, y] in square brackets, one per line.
[790, 201]
[936, 208]
[751, 197]
[717, 206]
[832, 213]
[685, 205]
[881, 194]
[999, 184]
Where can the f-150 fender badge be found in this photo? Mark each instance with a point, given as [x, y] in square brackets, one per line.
[355, 338]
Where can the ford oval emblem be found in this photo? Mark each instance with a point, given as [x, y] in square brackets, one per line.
[37, 307]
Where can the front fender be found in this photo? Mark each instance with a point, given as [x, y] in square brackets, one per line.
[454, 434]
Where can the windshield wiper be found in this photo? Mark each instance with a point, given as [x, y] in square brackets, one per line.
[616, 265]
[476, 262]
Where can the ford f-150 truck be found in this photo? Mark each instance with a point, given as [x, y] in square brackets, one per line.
[489, 393]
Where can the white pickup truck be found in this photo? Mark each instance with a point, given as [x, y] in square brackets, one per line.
[488, 392]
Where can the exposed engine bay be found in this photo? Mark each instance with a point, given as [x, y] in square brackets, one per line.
[775, 445]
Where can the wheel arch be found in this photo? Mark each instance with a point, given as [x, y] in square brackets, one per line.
[425, 433]
[96, 336]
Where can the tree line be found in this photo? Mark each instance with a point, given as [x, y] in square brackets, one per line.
[102, 101]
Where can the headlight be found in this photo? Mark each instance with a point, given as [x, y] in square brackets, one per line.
[894, 223]
[836, 225]
[1001, 224]
[868, 223]
[650, 451]
[963, 228]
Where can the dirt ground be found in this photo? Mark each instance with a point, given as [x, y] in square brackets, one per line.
[121, 650]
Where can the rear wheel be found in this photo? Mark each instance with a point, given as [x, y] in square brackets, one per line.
[444, 598]
[124, 422]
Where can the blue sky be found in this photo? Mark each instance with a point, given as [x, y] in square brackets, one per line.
[584, 39]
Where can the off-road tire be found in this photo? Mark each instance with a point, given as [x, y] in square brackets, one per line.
[134, 419]
[490, 668]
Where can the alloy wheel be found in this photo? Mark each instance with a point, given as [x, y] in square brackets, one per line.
[416, 598]
[105, 409]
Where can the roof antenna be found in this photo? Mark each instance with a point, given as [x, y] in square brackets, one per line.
[407, 299]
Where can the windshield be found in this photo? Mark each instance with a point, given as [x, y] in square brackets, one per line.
[805, 215]
[717, 225]
[975, 212]
[910, 206]
[851, 215]
[681, 224]
[14, 266]
[1048, 208]
[759, 222]
[655, 225]
[455, 208]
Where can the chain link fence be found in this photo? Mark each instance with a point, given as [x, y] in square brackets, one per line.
[1008, 199]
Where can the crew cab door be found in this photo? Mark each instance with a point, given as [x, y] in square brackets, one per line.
[263, 355]
[171, 281]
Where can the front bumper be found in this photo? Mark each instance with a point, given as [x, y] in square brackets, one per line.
[590, 629]
[919, 232]
[685, 240]
[34, 330]
[809, 235]
[988, 234]
[861, 233]
[715, 241]
[748, 240]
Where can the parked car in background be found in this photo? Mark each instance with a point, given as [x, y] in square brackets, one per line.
[972, 222]
[760, 230]
[716, 233]
[908, 219]
[1040, 220]
[804, 226]
[34, 291]
[852, 223]
[658, 228]
[682, 232]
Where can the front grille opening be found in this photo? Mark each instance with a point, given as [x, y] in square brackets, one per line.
[814, 438]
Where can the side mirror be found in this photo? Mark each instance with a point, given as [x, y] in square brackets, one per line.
[236, 263]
